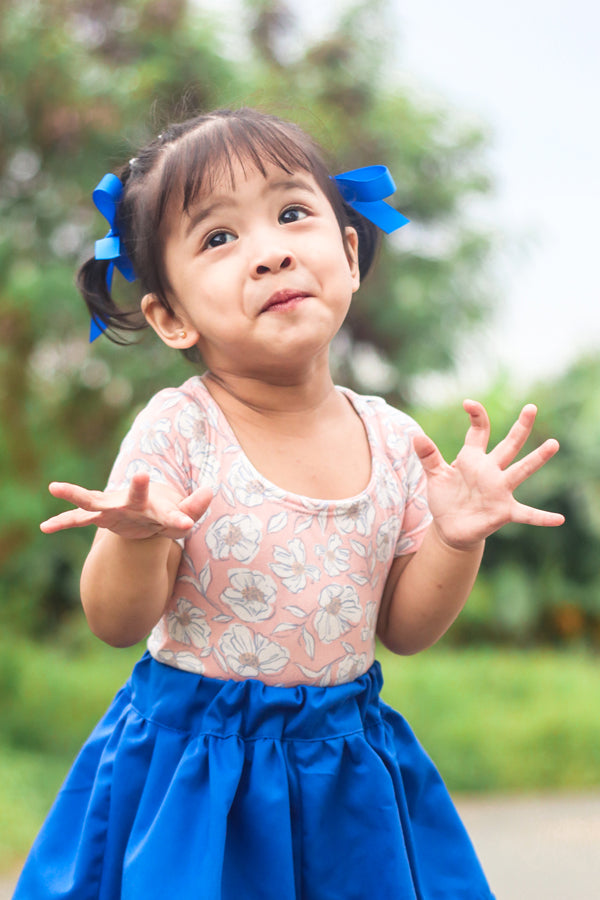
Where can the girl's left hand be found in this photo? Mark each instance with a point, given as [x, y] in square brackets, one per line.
[473, 497]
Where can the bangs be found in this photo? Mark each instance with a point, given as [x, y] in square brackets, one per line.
[212, 152]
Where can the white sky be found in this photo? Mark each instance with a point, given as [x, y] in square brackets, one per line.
[530, 69]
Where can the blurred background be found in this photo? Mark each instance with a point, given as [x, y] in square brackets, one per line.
[485, 116]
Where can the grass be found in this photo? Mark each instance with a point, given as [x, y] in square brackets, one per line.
[493, 720]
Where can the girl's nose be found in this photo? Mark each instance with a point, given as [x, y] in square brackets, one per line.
[283, 264]
[273, 262]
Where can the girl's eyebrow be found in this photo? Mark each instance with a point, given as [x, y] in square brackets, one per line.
[291, 184]
[228, 200]
[203, 212]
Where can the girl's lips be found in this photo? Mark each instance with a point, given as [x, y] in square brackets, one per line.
[285, 299]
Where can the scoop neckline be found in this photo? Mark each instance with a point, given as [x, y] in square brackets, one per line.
[282, 493]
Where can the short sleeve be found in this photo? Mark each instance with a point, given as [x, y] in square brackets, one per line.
[399, 431]
[417, 516]
[166, 440]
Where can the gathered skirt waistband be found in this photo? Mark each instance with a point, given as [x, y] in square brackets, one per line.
[191, 703]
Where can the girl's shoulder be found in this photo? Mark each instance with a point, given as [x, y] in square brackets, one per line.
[168, 399]
[378, 413]
[176, 407]
[170, 437]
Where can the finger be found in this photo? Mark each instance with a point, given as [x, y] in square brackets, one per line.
[78, 496]
[524, 468]
[506, 450]
[139, 487]
[197, 503]
[478, 434]
[431, 458]
[73, 518]
[529, 515]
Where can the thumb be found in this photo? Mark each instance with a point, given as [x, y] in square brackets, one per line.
[197, 503]
[428, 453]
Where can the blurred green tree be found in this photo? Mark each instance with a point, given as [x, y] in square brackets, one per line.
[82, 84]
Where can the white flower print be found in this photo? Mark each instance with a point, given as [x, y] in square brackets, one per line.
[403, 545]
[157, 637]
[387, 491]
[249, 489]
[234, 536]
[251, 595]
[140, 465]
[351, 667]
[356, 516]
[368, 631]
[413, 474]
[187, 625]
[386, 538]
[340, 610]
[155, 439]
[335, 557]
[181, 660]
[210, 466]
[291, 566]
[191, 423]
[250, 654]
[399, 441]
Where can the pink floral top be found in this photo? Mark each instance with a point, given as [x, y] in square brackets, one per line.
[273, 585]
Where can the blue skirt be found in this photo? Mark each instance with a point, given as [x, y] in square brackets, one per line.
[199, 788]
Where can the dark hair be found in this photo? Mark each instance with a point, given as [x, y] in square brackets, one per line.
[189, 157]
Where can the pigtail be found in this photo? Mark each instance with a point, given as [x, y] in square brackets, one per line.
[95, 286]
[91, 283]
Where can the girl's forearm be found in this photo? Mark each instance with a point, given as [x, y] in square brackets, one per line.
[428, 595]
[125, 585]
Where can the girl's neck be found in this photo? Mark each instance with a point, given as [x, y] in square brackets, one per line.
[250, 396]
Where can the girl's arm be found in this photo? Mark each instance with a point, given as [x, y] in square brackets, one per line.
[469, 500]
[125, 585]
[130, 570]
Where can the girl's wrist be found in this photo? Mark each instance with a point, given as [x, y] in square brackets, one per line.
[152, 540]
[460, 547]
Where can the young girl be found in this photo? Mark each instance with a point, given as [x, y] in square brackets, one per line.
[264, 525]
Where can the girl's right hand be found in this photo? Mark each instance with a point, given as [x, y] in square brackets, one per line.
[139, 512]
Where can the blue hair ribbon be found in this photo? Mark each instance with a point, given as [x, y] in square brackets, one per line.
[106, 196]
[364, 189]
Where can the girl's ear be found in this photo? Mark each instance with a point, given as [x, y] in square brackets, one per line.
[171, 329]
[352, 254]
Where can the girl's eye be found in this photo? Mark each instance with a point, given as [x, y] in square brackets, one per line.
[218, 238]
[292, 214]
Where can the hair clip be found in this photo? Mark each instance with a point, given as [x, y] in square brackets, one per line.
[364, 190]
[106, 197]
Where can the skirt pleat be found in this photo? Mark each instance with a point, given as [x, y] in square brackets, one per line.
[221, 790]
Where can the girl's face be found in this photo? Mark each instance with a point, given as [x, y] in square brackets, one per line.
[261, 278]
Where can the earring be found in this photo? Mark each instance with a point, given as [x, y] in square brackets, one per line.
[183, 334]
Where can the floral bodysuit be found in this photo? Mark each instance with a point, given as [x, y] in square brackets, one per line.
[273, 585]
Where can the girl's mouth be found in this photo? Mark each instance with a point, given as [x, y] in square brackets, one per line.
[284, 300]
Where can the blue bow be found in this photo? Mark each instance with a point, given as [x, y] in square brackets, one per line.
[364, 189]
[106, 197]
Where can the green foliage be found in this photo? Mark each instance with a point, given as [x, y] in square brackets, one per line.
[82, 84]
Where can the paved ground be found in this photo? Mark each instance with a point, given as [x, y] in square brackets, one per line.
[532, 848]
[538, 848]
